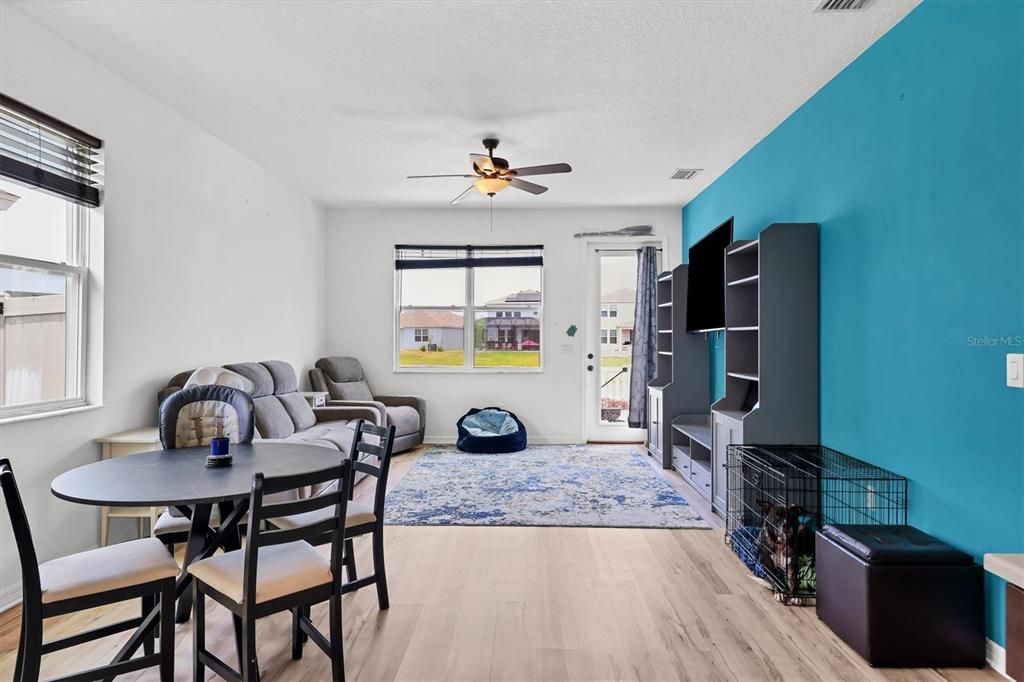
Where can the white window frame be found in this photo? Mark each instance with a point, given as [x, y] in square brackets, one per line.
[77, 267]
[468, 330]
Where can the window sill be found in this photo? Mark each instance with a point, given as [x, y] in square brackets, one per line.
[33, 416]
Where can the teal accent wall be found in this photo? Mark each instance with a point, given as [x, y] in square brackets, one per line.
[912, 161]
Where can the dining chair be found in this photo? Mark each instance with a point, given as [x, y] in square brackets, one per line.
[135, 569]
[278, 570]
[360, 519]
[192, 417]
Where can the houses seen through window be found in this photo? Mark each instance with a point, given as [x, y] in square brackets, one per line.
[468, 308]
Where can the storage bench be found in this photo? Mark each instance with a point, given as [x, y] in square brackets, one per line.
[901, 597]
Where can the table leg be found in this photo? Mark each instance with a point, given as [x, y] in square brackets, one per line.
[232, 536]
[193, 548]
[184, 581]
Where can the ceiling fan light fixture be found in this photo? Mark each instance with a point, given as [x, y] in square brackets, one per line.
[491, 186]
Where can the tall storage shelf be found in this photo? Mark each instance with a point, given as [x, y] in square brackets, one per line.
[680, 384]
[771, 345]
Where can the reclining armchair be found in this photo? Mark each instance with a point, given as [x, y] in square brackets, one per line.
[342, 379]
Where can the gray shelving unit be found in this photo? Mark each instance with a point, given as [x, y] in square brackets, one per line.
[680, 385]
[771, 345]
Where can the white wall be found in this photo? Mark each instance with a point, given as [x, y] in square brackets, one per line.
[360, 254]
[207, 259]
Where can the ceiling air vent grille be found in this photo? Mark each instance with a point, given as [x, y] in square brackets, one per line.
[686, 173]
[842, 5]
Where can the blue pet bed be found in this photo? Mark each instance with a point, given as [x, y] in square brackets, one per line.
[490, 430]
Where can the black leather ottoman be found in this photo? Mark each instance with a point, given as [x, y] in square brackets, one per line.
[900, 597]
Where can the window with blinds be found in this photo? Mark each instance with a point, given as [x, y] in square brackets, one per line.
[464, 308]
[50, 176]
[40, 151]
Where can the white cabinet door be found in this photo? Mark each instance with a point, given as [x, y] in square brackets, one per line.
[654, 421]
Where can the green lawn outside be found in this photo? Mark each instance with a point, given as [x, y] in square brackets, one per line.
[615, 360]
[507, 358]
[455, 358]
[422, 358]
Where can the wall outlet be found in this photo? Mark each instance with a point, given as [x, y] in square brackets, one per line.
[1015, 370]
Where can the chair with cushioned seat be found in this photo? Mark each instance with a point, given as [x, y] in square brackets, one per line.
[360, 519]
[107, 575]
[190, 418]
[342, 378]
[278, 570]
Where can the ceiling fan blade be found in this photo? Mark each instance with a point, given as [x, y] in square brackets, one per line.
[530, 187]
[463, 195]
[482, 162]
[542, 170]
[411, 177]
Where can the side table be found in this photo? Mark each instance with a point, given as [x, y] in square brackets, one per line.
[118, 445]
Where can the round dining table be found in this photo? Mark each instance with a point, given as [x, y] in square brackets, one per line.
[180, 478]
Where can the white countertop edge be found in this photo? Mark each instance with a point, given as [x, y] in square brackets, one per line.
[1009, 567]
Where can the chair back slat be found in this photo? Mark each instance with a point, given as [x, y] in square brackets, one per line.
[370, 449]
[31, 590]
[308, 532]
[333, 526]
[280, 484]
[303, 506]
[367, 468]
[374, 430]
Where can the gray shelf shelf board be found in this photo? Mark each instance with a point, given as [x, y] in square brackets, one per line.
[744, 329]
[701, 463]
[698, 432]
[749, 376]
[666, 304]
[736, 415]
[745, 281]
[709, 330]
[742, 247]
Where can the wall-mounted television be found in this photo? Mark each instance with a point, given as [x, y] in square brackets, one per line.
[705, 289]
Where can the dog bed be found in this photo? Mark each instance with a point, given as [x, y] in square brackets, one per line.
[490, 430]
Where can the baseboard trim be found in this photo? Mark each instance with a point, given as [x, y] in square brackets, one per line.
[10, 596]
[995, 656]
[450, 440]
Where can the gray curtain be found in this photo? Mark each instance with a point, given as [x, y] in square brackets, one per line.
[645, 334]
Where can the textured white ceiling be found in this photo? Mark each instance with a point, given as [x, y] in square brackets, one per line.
[342, 100]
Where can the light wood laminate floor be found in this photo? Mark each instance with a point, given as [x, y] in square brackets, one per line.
[502, 603]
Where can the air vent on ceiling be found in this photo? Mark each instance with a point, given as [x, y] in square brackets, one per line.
[842, 5]
[685, 173]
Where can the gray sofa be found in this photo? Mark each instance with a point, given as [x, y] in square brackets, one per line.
[343, 380]
[282, 414]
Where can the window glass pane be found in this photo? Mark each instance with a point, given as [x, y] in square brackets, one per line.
[498, 286]
[507, 340]
[431, 338]
[443, 287]
[38, 335]
[33, 224]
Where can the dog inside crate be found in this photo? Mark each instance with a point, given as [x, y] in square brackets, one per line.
[779, 495]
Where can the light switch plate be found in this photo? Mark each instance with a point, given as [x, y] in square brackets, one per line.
[1015, 370]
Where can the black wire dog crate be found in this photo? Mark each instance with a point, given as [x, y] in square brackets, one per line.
[778, 495]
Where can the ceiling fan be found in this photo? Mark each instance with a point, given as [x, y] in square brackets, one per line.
[493, 174]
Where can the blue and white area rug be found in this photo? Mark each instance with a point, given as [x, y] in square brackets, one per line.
[548, 485]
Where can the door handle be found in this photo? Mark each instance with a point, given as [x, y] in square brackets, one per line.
[590, 368]
[590, 356]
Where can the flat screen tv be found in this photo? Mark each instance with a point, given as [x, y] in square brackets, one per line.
[705, 289]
